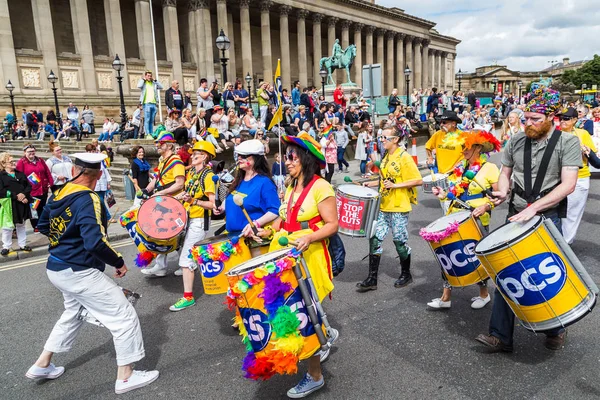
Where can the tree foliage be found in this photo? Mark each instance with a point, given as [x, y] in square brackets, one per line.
[589, 74]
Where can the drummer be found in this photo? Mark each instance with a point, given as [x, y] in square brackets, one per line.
[168, 180]
[443, 145]
[252, 181]
[476, 145]
[524, 161]
[199, 198]
[399, 177]
[307, 217]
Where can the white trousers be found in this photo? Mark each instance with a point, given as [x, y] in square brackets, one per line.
[21, 236]
[575, 208]
[194, 234]
[106, 302]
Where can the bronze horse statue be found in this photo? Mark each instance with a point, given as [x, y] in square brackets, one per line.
[345, 61]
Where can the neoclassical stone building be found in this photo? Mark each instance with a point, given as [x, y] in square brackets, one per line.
[78, 39]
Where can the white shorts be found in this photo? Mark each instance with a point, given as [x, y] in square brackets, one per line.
[194, 234]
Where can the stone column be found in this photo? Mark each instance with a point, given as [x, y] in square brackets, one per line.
[8, 60]
[369, 44]
[209, 59]
[144, 32]
[345, 42]
[452, 57]
[83, 45]
[389, 76]
[380, 59]
[438, 68]
[418, 70]
[172, 38]
[246, 38]
[425, 64]
[232, 67]
[331, 21]
[443, 68]
[400, 65]
[191, 17]
[357, 26]
[116, 41]
[198, 43]
[284, 44]
[42, 23]
[223, 23]
[265, 35]
[316, 18]
[302, 56]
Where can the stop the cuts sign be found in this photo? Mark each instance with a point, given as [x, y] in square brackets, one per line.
[350, 213]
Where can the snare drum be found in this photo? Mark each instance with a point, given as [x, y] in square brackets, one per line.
[537, 273]
[161, 224]
[453, 239]
[357, 207]
[266, 291]
[215, 256]
[429, 182]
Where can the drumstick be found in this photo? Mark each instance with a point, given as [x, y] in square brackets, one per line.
[239, 201]
[470, 175]
[349, 180]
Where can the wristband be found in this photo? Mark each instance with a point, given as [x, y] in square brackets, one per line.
[256, 224]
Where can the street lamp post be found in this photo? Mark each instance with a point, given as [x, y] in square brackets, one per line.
[520, 83]
[407, 72]
[583, 87]
[10, 87]
[323, 74]
[223, 44]
[52, 78]
[248, 80]
[118, 66]
[459, 78]
[495, 82]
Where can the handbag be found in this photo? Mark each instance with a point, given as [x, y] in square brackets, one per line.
[110, 198]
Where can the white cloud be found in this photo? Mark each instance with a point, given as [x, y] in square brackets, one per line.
[524, 35]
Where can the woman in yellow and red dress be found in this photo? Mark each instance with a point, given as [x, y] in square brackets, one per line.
[307, 217]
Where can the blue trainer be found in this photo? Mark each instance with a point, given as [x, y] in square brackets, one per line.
[306, 386]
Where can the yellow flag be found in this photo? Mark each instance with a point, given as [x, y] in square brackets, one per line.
[278, 116]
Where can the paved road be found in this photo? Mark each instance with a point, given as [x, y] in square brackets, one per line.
[390, 346]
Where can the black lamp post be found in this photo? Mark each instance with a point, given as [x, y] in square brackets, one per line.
[459, 75]
[323, 74]
[248, 80]
[583, 87]
[10, 87]
[223, 44]
[495, 82]
[407, 72]
[52, 78]
[520, 83]
[118, 66]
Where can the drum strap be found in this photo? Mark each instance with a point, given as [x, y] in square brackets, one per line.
[532, 193]
[291, 223]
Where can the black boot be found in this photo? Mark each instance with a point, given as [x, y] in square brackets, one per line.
[405, 276]
[371, 282]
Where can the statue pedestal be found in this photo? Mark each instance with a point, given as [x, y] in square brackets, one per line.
[348, 89]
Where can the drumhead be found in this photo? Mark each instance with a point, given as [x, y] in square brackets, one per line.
[357, 191]
[215, 239]
[162, 217]
[510, 232]
[438, 177]
[256, 262]
[442, 223]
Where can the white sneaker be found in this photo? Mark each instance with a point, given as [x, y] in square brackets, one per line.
[480, 302]
[138, 379]
[179, 272]
[50, 372]
[438, 304]
[156, 271]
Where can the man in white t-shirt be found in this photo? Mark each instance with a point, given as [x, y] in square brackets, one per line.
[205, 99]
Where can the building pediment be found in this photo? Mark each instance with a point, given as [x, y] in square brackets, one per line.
[499, 72]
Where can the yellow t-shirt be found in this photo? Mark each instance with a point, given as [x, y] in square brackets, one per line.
[320, 191]
[149, 95]
[486, 177]
[399, 167]
[447, 155]
[585, 139]
[194, 189]
[169, 169]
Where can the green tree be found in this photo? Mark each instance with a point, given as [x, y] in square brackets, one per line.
[589, 74]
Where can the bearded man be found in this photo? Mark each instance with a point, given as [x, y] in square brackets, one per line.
[544, 163]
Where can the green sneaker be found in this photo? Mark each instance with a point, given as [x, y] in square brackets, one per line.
[182, 303]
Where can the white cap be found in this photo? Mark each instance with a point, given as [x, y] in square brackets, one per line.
[250, 147]
[89, 160]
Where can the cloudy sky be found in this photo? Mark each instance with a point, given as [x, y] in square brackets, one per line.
[521, 34]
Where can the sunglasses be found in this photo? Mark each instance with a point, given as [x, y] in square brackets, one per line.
[566, 118]
[290, 156]
[243, 156]
[389, 138]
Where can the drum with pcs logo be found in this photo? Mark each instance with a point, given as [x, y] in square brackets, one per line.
[538, 274]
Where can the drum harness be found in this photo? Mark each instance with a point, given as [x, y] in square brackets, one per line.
[198, 180]
[530, 195]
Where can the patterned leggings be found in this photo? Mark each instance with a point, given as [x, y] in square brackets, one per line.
[398, 221]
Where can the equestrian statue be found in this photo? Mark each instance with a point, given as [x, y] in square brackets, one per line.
[340, 59]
